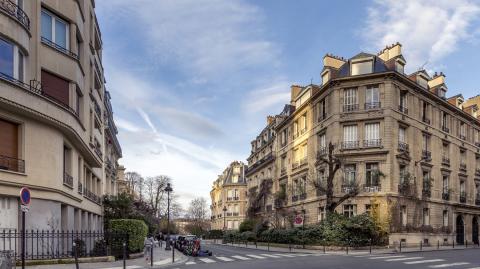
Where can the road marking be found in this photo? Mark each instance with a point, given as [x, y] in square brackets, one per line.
[270, 255]
[241, 258]
[224, 259]
[207, 260]
[425, 261]
[386, 257]
[255, 256]
[448, 264]
[164, 261]
[188, 263]
[369, 255]
[301, 255]
[286, 255]
[128, 267]
[403, 259]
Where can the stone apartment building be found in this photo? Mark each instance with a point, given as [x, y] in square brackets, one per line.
[413, 153]
[57, 134]
[229, 198]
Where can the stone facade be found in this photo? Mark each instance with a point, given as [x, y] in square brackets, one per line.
[57, 133]
[413, 154]
[229, 198]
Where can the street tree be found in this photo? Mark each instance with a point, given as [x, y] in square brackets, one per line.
[155, 192]
[135, 183]
[197, 213]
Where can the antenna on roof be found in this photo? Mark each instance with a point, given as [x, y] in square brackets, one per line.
[423, 66]
[311, 81]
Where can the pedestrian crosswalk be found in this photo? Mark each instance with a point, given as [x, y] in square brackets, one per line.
[419, 261]
[245, 257]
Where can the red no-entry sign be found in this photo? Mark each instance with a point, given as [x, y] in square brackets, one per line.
[25, 196]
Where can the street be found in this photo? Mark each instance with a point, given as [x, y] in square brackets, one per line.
[236, 258]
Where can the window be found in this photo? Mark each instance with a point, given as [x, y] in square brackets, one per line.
[372, 134]
[322, 108]
[322, 143]
[350, 99]
[368, 209]
[445, 184]
[372, 98]
[402, 135]
[350, 133]
[445, 121]
[229, 224]
[9, 146]
[349, 210]
[295, 129]
[350, 173]
[283, 137]
[426, 216]
[441, 93]
[403, 174]
[55, 30]
[321, 213]
[403, 215]
[234, 178]
[462, 187]
[284, 163]
[425, 112]
[426, 142]
[399, 67]
[445, 218]
[403, 101]
[55, 87]
[360, 68]
[372, 174]
[463, 130]
[303, 123]
[11, 61]
[325, 77]
[67, 160]
[422, 82]
[476, 138]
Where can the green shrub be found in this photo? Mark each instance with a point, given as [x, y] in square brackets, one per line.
[248, 236]
[214, 234]
[136, 229]
[247, 225]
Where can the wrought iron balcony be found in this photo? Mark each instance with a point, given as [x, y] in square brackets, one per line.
[403, 109]
[11, 9]
[348, 188]
[67, 180]
[236, 214]
[463, 197]
[322, 151]
[463, 137]
[283, 171]
[446, 195]
[294, 198]
[372, 105]
[57, 47]
[12, 164]
[445, 129]
[229, 198]
[229, 214]
[463, 166]
[406, 189]
[426, 155]
[426, 120]
[426, 192]
[350, 144]
[350, 108]
[445, 160]
[80, 187]
[371, 188]
[403, 147]
[372, 143]
[322, 116]
[302, 196]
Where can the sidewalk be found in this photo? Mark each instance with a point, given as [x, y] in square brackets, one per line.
[319, 249]
[160, 258]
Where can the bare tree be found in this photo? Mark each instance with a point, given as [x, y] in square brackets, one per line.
[198, 212]
[155, 192]
[135, 183]
[333, 163]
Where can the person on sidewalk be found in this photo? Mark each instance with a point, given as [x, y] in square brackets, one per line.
[147, 246]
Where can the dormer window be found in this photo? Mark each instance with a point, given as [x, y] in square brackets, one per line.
[441, 92]
[422, 81]
[362, 67]
[399, 66]
[325, 77]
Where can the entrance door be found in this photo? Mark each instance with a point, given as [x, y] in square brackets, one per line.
[475, 230]
[460, 230]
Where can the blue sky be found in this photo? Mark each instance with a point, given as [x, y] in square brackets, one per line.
[192, 81]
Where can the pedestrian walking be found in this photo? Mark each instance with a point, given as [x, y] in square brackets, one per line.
[147, 245]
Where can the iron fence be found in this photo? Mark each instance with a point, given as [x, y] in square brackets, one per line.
[42, 244]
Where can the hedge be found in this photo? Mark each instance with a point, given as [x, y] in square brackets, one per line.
[136, 229]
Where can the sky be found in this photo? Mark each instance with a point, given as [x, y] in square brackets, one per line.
[192, 81]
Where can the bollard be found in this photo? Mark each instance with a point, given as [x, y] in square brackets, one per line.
[173, 255]
[453, 243]
[324, 248]
[125, 255]
[347, 249]
[370, 249]
[438, 244]
[466, 243]
[246, 244]
[256, 244]
[76, 255]
[400, 246]
[290, 247]
[268, 246]
[421, 245]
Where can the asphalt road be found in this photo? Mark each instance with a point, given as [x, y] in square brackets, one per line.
[228, 257]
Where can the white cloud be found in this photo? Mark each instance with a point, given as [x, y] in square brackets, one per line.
[428, 30]
[268, 97]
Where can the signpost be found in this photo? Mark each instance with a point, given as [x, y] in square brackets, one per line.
[25, 200]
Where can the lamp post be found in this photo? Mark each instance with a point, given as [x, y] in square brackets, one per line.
[168, 189]
[224, 217]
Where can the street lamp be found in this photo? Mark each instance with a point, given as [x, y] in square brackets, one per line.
[168, 189]
[224, 217]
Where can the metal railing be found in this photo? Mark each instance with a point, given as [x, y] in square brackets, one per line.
[372, 143]
[348, 188]
[44, 244]
[55, 46]
[350, 144]
[445, 129]
[12, 164]
[446, 195]
[372, 105]
[463, 166]
[445, 160]
[406, 189]
[463, 137]
[350, 108]
[371, 188]
[67, 180]
[463, 197]
[14, 11]
[426, 155]
[402, 146]
[426, 120]
[91, 196]
[80, 187]
[403, 109]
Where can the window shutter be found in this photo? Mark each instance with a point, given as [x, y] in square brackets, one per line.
[55, 87]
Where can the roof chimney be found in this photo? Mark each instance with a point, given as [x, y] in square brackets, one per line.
[333, 61]
[295, 90]
[270, 119]
[390, 52]
[437, 80]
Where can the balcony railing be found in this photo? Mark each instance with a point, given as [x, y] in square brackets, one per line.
[426, 191]
[348, 188]
[80, 187]
[67, 180]
[403, 109]
[426, 155]
[283, 171]
[298, 197]
[463, 166]
[445, 160]
[371, 188]
[236, 214]
[322, 151]
[477, 171]
[91, 196]
[350, 108]
[14, 11]
[446, 195]
[372, 105]
[12, 164]
[406, 189]
[426, 120]
[372, 143]
[350, 144]
[477, 144]
[463, 137]
[445, 129]
[55, 46]
[229, 198]
[402, 146]
[299, 163]
[477, 199]
[229, 214]
[294, 198]
[463, 197]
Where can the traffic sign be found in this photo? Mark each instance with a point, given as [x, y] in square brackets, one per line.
[25, 196]
[24, 208]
